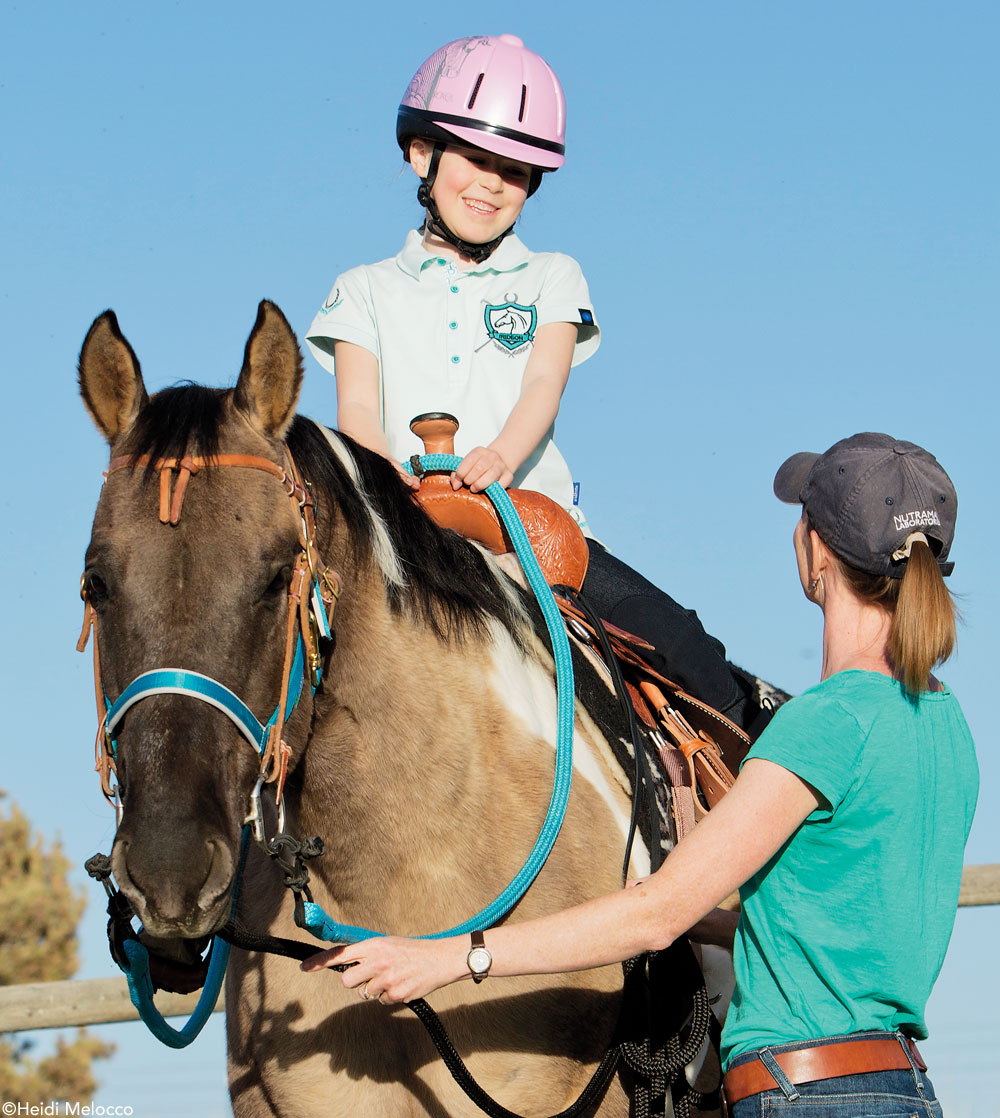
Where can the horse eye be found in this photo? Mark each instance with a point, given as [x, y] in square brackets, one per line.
[94, 589]
[278, 585]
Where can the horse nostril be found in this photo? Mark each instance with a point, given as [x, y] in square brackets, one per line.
[219, 877]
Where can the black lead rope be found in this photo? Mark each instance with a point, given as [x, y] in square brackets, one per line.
[644, 1057]
[241, 937]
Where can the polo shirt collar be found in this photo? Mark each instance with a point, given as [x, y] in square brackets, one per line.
[509, 255]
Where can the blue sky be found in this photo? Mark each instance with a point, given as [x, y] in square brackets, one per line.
[787, 213]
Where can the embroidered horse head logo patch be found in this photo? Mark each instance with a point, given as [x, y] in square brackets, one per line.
[511, 325]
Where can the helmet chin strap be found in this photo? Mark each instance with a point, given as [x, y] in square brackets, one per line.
[434, 223]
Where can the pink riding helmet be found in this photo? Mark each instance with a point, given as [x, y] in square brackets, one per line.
[490, 92]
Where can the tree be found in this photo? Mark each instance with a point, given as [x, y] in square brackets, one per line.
[38, 944]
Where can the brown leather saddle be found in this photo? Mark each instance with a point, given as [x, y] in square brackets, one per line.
[556, 539]
[699, 748]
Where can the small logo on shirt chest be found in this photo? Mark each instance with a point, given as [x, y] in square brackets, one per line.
[511, 324]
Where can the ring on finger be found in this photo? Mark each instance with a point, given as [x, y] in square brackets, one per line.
[364, 992]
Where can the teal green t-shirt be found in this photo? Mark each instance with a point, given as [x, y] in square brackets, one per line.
[845, 929]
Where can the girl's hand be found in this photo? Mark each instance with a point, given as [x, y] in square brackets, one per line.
[411, 480]
[481, 467]
[390, 969]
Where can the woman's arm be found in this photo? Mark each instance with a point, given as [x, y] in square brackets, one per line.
[758, 815]
[545, 377]
[358, 401]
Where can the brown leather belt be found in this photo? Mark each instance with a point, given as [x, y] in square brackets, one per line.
[825, 1061]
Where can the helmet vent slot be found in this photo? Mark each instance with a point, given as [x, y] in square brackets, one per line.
[524, 97]
[475, 91]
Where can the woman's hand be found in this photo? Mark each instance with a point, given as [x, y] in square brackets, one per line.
[390, 969]
[481, 467]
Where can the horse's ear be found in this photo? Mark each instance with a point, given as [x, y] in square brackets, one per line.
[110, 378]
[268, 388]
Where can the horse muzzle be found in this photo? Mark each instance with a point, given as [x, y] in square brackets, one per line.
[179, 885]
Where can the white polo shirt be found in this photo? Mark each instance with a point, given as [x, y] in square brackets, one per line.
[457, 340]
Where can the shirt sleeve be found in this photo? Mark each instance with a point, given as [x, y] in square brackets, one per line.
[565, 297]
[347, 315]
[819, 739]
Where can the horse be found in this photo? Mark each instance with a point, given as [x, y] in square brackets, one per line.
[424, 759]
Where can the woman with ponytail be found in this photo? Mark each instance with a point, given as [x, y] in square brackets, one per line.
[845, 829]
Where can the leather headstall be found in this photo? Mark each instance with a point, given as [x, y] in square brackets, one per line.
[312, 596]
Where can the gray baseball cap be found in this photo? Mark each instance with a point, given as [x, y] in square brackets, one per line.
[866, 494]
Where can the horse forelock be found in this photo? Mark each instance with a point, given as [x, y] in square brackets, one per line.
[425, 569]
[182, 419]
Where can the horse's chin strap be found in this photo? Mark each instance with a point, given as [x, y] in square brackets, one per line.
[312, 595]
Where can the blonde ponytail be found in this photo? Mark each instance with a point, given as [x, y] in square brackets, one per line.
[922, 631]
[923, 623]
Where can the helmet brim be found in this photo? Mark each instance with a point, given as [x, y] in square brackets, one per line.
[507, 148]
[411, 123]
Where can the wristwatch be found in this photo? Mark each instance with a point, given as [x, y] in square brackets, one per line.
[479, 958]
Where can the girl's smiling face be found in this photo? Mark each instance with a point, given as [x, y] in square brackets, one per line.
[479, 195]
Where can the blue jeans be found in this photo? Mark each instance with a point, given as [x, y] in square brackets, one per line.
[876, 1094]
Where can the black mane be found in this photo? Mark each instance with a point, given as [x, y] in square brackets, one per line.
[448, 582]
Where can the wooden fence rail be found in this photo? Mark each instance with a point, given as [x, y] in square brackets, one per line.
[99, 1001]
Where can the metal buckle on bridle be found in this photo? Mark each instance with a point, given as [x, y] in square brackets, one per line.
[255, 816]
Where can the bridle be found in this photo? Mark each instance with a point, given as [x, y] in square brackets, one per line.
[312, 596]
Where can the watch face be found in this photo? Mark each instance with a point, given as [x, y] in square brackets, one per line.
[479, 960]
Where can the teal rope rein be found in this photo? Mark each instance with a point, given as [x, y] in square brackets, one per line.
[140, 989]
[324, 927]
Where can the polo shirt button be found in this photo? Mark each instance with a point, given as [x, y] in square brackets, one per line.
[452, 325]
[455, 360]
[454, 289]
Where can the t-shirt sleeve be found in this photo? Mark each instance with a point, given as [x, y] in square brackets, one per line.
[565, 297]
[816, 737]
[347, 315]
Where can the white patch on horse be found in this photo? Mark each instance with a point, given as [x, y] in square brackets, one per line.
[526, 687]
[385, 554]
